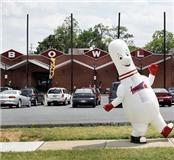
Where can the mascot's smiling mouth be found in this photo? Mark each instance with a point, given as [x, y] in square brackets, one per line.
[128, 65]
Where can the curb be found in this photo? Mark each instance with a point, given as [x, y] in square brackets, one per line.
[69, 125]
[65, 125]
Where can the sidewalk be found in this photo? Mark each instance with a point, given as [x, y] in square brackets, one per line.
[81, 144]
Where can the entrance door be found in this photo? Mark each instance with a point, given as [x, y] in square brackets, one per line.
[42, 80]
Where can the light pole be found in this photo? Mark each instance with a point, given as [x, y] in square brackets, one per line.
[95, 75]
[5, 76]
[72, 66]
[27, 65]
[164, 49]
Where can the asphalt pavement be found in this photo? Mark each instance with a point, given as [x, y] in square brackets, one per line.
[66, 115]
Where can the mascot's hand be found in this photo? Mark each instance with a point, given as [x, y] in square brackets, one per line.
[108, 107]
[153, 69]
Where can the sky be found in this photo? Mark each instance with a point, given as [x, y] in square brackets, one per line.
[141, 17]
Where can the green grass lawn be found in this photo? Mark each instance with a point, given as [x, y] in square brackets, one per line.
[97, 154]
[71, 133]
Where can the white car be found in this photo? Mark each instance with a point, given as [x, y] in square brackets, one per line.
[58, 95]
[14, 98]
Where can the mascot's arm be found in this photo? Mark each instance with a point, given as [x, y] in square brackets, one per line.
[153, 69]
[116, 101]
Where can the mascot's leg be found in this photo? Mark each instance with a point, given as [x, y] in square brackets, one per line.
[138, 132]
[161, 125]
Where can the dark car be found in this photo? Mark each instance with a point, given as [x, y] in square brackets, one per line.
[163, 96]
[171, 91]
[107, 91]
[113, 92]
[4, 89]
[98, 95]
[35, 96]
[84, 96]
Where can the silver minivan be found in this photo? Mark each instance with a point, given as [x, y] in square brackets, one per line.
[58, 95]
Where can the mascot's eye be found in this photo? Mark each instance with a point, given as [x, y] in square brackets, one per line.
[127, 54]
[121, 58]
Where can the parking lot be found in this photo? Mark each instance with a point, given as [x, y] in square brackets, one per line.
[65, 114]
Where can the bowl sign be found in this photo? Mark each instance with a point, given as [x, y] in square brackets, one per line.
[96, 54]
[52, 53]
[11, 54]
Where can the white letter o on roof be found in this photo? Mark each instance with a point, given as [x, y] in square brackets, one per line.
[51, 54]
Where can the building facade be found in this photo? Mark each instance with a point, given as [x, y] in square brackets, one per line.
[91, 67]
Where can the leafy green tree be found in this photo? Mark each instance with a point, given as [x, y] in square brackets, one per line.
[156, 45]
[48, 42]
[98, 36]
[61, 40]
[132, 48]
[93, 37]
[113, 33]
[84, 39]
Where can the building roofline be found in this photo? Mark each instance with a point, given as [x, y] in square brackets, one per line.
[38, 63]
[157, 62]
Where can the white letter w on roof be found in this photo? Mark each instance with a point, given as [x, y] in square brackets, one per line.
[96, 53]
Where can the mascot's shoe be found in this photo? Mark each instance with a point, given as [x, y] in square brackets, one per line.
[167, 129]
[139, 140]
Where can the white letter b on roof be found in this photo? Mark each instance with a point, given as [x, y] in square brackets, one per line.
[11, 54]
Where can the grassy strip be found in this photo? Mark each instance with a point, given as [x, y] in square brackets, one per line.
[71, 133]
[97, 154]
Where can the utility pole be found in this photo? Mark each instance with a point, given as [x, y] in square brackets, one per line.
[164, 49]
[72, 67]
[27, 66]
[118, 34]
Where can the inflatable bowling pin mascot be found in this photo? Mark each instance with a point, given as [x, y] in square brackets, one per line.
[136, 95]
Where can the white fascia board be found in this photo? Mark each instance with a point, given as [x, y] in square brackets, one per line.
[38, 63]
[83, 64]
[3, 66]
[76, 61]
[18, 64]
[63, 64]
[104, 65]
[157, 62]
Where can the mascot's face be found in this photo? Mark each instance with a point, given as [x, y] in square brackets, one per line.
[121, 57]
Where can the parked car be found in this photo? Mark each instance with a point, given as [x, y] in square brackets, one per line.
[107, 91]
[4, 89]
[84, 96]
[163, 96]
[35, 96]
[98, 95]
[113, 93]
[58, 95]
[171, 91]
[14, 98]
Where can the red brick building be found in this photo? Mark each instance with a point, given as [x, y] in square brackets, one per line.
[89, 68]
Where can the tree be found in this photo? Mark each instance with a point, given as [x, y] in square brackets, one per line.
[98, 36]
[156, 45]
[48, 42]
[93, 37]
[61, 39]
[113, 33]
[132, 48]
